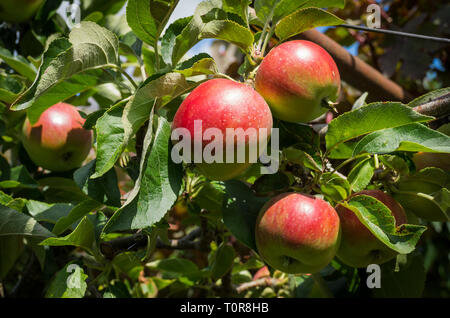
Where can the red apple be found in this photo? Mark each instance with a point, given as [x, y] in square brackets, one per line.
[298, 79]
[359, 247]
[297, 233]
[18, 10]
[57, 141]
[220, 104]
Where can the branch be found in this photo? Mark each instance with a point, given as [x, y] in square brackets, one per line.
[262, 282]
[139, 241]
[437, 107]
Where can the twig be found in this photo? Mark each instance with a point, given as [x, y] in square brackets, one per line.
[437, 107]
[262, 282]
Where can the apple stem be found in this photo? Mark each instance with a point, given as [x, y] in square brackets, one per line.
[318, 279]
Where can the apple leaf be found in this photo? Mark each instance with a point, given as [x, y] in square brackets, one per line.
[69, 282]
[46, 212]
[176, 268]
[334, 186]
[18, 63]
[240, 211]
[370, 118]
[11, 247]
[110, 136]
[229, 31]
[201, 64]
[10, 87]
[379, 220]
[304, 19]
[403, 277]
[285, 7]
[302, 158]
[14, 223]
[411, 137]
[159, 186]
[88, 47]
[170, 37]
[14, 203]
[361, 174]
[223, 261]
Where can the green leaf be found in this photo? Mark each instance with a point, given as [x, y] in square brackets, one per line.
[13, 223]
[271, 184]
[412, 137]
[13, 203]
[89, 46]
[334, 186]
[170, 38]
[406, 281]
[304, 19]
[286, 7]
[370, 118]
[302, 158]
[238, 7]
[229, 31]
[264, 9]
[380, 222]
[69, 282]
[361, 174]
[19, 178]
[159, 188]
[201, 64]
[83, 236]
[57, 189]
[175, 267]
[223, 261]
[50, 213]
[18, 63]
[147, 18]
[10, 88]
[11, 248]
[240, 211]
[79, 211]
[110, 139]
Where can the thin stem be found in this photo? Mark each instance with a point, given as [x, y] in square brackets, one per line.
[129, 78]
[266, 41]
[225, 76]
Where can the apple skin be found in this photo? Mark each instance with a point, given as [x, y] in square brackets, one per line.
[222, 104]
[57, 141]
[297, 233]
[359, 247]
[295, 78]
[18, 11]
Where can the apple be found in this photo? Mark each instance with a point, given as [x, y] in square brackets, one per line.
[261, 273]
[297, 233]
[298, 79]
[359, 247]
[18, 11]
[218, 105]
[57, 141]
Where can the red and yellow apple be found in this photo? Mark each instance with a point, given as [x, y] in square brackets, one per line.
[359, 247]
[298, 79]
[219, 105]
[57, 141]
[297, 233]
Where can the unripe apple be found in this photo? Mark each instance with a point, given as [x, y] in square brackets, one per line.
[298, 79]
[18, 10]
[220, 104]
[359, 247]
[297, 233]
[57, 141]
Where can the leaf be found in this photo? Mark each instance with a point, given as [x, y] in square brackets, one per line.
[13, 223]
[412, 137]
[79, 211]
[201, 64]
[104, 189]
[380, 222]
[83, 236]
[334, 186]
[19, 178]
[69, 282]
[229, 31]
[50, 213]
[264, 9]
[159, 188]
[240, 211]
[170, 37]
[361, 101]
[223, 261]
[13, 203]
[406, 282]
[286, 7]
[370, 118]
[304, 19]
[10, 88]
[147, 18]
[11, 248]
[361, 174]
[89, 46]
[175, 267]
[271, 184]
[110, 139]
[18, 63]
[302, 158]
[57, 189]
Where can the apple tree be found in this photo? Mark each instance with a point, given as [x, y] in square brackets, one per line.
[350, 190]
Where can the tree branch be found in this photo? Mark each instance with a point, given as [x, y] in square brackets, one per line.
[262, 282]
[437, 107]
